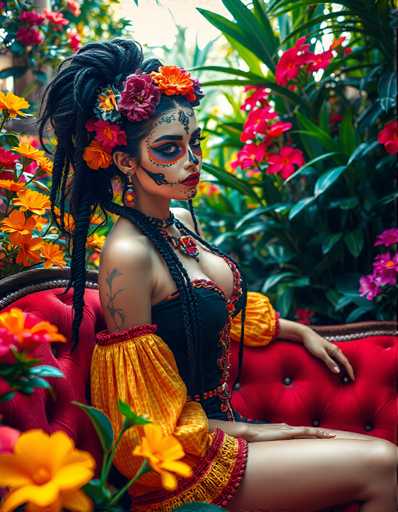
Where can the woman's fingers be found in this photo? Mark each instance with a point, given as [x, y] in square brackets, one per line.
[306, 432]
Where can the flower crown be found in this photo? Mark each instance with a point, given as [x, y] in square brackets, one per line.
[136, 102]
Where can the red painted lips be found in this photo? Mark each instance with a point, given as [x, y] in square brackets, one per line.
[193, 179]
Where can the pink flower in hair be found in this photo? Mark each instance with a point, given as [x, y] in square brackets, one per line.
[107, 134]
[139, 97]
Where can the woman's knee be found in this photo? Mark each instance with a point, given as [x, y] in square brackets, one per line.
[382, 455]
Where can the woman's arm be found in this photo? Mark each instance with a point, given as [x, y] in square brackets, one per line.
[292, 330]
[233, 428]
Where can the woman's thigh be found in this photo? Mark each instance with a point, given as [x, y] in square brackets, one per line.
[304, 475]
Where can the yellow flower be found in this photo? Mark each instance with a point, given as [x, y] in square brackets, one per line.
[13, 104]
[27, 150]
[11, 185]
[53, 254]
[163, 453]
[46, 471]
[45, 164]
[33, 201]
[96, 241]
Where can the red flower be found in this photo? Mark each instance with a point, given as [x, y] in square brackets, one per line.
[387, 237]
[291, 61]
[139, 97]
[388, 136]
[74, 40]
[283, 162]
[304, 315]
[250, 155]
[29, 36]
[73, 7]
[320, 61]
[257, 100]
[31, 17]
[56, 18]
[108, 134]
[257, 123]
[7, 159]
[335, 118]
[278, 128]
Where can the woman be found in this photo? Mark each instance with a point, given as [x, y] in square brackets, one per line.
[170, 301]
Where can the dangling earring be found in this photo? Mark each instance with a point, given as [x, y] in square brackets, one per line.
[129, 192]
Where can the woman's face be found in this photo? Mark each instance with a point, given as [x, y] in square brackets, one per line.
[170, 156]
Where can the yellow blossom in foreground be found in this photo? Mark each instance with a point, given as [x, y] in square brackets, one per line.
[14, 321]
[16, 221]
[163, 453]
[13, 104]
[53, 255]
[27, 150]
[47, 472]
[11, 185]
[33, 201]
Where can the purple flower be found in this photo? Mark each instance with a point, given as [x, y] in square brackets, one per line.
[369, 286]
[387, 237]
[385, 267]
[198, 92]
[139, 97]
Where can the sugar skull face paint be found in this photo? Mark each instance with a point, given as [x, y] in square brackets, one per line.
[171, 155]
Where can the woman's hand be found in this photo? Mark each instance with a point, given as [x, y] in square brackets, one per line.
[326, 351]
[277, 431]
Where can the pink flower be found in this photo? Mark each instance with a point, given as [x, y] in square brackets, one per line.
[320, 61]
[335, 118]
[347, 50]
[283, 162]
[73, 7]
[7, 341]
[291, 61]
[278, 128]
[8, 438]
[385, 267]
[304, 315]
[250, 155]
[387, 237]
[369, 286]
[257, 123]
[74, 40]
[109, 135]
[139, 97]
[257, 100]
[55, 18]
[388, 136]
[32, 17]
[29, 36]
[7, 159]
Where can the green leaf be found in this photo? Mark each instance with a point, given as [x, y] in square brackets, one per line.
[101, 424]
[309, 164]
[330, 242]
[387, 89]
[97, 491]
[362, 150]
[299, 206]
[347, 135]
[316, 131]
[46, 371]
[7, 396]
[228, 179]
[354, 242]
[14, 71]
[327, 179]
[359, 312]
[347, 203]
[273, 280]
[38, 382]
[284, 301]
[131, 418]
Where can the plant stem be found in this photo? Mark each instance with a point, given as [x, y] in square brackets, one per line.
[144, 468]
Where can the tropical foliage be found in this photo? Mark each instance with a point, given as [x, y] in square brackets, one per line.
[305, 165]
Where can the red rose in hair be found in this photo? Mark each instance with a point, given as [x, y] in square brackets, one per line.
[139, 97]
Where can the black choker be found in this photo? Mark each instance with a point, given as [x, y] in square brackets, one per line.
[161, 223]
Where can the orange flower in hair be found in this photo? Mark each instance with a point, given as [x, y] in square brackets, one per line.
[173, 80]
[96, 157]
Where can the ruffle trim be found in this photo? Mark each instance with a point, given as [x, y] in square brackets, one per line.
[107, 338]
[213, 479]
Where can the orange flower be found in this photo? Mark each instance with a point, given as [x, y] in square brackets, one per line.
[16, 221]
[96, 241]
[96, 218]
[173, 80]
[17, 323]
[27, 150]
[47, 472]
[40, 221]
[96, 157]
[69, 222]
[13, 104]
[53, 254]
[33, 201]
[28, 249]
[163, 453]
[45, 164]
[11, 185]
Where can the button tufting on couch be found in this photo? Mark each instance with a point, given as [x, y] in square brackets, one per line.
[280, 382]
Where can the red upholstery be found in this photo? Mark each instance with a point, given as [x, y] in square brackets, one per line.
[281, 382]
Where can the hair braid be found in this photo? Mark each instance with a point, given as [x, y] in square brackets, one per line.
[243, 299]
[183, 283]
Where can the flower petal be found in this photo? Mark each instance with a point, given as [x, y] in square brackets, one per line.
[181, 468]
[169, 481]
[72, 476]
[60, 445]
[32, 448]
[77, 501]
[12, 474]
[42, 495]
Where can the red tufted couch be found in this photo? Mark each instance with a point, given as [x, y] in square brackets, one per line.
[281, 382]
